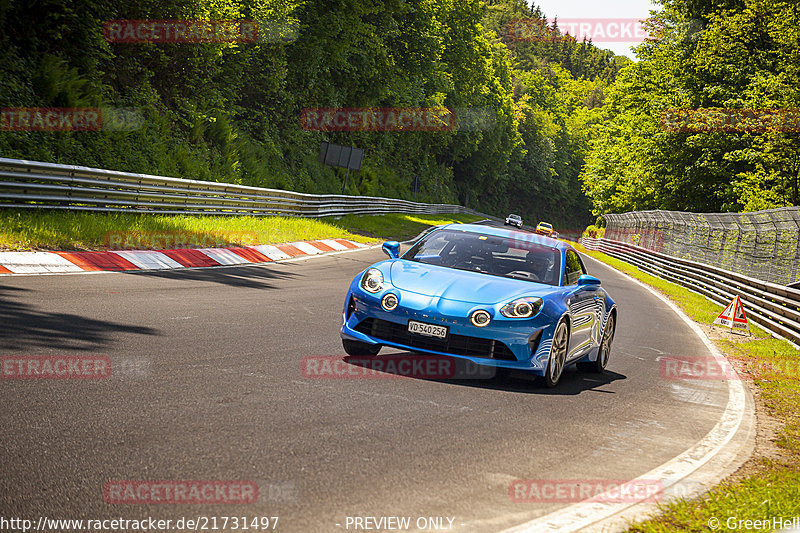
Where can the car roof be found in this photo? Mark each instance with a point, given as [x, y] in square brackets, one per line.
[521, 235]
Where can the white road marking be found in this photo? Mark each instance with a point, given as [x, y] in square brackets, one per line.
[149, 259]
[36, 263]
[333, 244]
[306, 247]
[674, 474]
[271, 251]
[223, 256]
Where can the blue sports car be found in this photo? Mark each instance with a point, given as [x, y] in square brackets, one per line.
[500, 297]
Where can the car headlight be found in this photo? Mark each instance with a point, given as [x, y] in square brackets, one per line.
[389, 302]
[372, 280]
[522, 307]
[480, 318]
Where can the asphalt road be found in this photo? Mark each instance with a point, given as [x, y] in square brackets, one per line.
[207, 385]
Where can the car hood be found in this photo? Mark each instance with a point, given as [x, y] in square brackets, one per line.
[461, 285]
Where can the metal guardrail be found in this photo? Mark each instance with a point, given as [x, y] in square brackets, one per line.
[774, 307]
[34, 184]
[762, 244]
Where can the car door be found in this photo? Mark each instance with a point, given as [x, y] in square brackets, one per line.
[582, 301]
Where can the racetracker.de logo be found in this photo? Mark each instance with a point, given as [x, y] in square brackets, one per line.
[55, 367]
[180, 492]
[578, 490]
[378, 119]
[398, 119]
[710, 368]
[683, 120]
[393, 367]
[200, 31]
[70, 119]
[599, 30]
[172, 240]
[696, 368]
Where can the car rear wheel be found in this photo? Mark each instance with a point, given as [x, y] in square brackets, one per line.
[558, 355]
[599, 364]
[360, 348]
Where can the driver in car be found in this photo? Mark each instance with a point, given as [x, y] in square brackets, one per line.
[538, 265]
[472, 256]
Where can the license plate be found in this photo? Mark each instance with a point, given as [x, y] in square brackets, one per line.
[429, 330]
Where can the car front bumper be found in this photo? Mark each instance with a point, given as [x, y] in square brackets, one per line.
[522, 344]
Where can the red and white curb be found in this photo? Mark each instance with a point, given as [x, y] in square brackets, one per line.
[124, 260]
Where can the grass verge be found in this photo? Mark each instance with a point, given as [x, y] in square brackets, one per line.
[396, 225]
[73, 230]
[768, 486]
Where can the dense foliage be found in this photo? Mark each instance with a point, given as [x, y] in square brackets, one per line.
[710, 55]
[230, 111]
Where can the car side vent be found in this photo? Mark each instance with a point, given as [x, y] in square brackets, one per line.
[534, 340]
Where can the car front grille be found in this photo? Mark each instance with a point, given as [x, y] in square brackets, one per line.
[454, 344]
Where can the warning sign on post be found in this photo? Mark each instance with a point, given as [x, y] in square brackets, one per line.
[733, 316]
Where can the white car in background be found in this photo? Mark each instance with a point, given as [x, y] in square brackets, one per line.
[514, 220]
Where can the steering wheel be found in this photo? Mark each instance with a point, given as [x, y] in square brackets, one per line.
[475, 262]
[523, 274]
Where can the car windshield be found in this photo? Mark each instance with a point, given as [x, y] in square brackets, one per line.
[488, 254]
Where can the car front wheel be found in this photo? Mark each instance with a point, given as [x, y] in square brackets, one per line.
[558, 355]
[360, 348]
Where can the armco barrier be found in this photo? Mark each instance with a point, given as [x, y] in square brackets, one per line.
[34, 184]
[775, 307]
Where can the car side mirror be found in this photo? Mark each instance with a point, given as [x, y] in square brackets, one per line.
[586, 279]
[392, 249]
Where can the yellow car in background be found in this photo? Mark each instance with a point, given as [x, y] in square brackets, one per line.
[545, 228]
